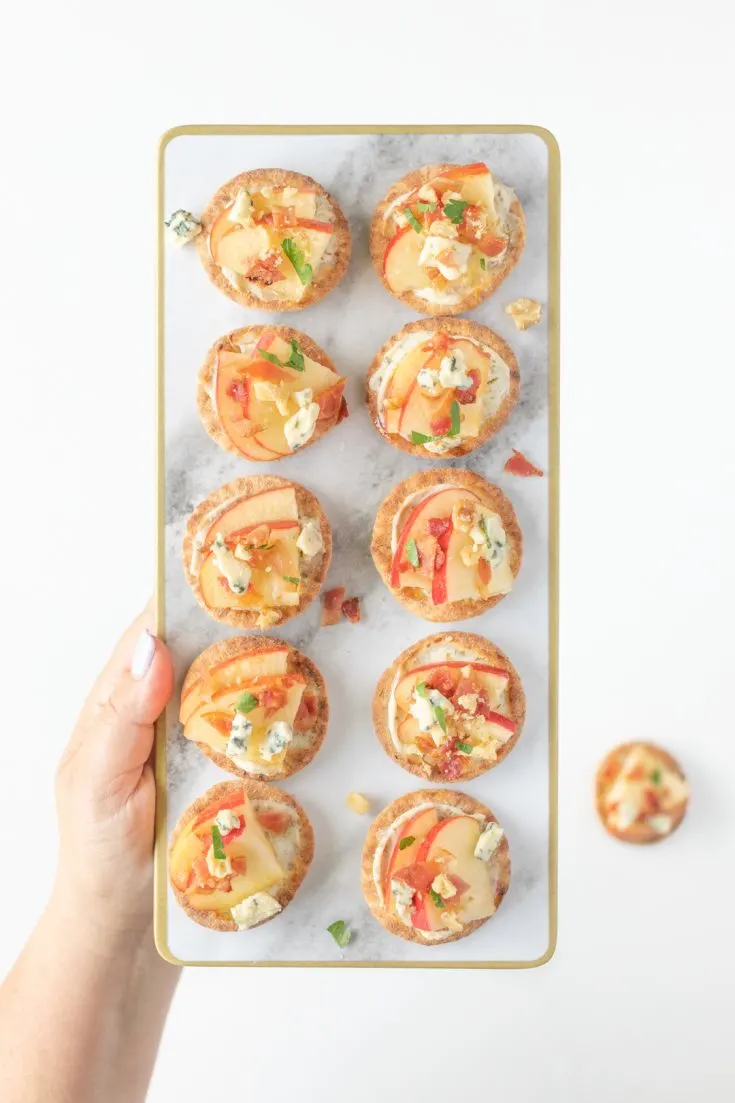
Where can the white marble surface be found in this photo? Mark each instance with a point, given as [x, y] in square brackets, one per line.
[351, 470]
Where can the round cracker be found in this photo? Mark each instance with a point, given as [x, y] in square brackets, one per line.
[381, 234]
[207, 407]
[454, 327]
[607, 773]
[472, 767]
[314, 570]
[382, 823]
[298, 663]
[285, 890]
[327, 276]
[489, 494]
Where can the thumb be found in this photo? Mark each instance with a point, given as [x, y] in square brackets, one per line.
[119, 739]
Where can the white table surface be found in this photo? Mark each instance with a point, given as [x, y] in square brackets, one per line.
[639, 1001]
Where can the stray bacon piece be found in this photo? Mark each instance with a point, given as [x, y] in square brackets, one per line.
[343, 411]
[517, 464]
[332, 606]
[351, 609]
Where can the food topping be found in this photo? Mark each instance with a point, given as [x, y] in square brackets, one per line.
[358, 803]
[182, 227]
[300, 426]
[517, 464]
[255, 909]
[335, 606]
[235, 571]
[278, 737]
[310, 541]
[489, 842]
[341, 933]
[524, 312]
[643, 791]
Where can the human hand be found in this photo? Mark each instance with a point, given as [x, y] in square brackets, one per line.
[105, 788]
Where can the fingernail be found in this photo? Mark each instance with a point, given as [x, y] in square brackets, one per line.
[142, 658]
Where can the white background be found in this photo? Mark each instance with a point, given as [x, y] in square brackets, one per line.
[638, 1001]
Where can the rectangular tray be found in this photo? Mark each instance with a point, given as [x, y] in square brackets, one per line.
[351, 471]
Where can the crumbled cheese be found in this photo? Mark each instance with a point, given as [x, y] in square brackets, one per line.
[488, 842]
[660, 823]
[429, 381]
[443, 887]
[453, 371]
[358, 803]
[182, 227]
[304, 398]
[241, 552]
[449, 257]
[265, 391]
[310, 541]
[277, 738]
[218, 867]
[443, 444]
[524, 312]
[300, 428]
[255, 909]
[403, 899]
[423, 710]
[236, 572]
[442, 227]
[488, 537]
[241, 209]
[227, 821]
[468, 702]
[240, 733]
[451, 922]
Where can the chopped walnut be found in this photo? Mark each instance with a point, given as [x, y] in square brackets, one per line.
[524, 312]
[468, 702]
[442, 227]
[463, 516]
[358, 803]
[268, 618]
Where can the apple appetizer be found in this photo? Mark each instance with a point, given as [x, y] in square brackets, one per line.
[450, 707]
[266, 391]
[435, 866]
[642, 793]
[256, 706]
[274, 240]
[447, 544]
[238, 855]
[442, 385]
[446, 236]
[256, 551]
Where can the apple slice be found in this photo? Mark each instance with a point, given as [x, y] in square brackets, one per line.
[230, 674]
[212, 722]
[221, 226]
[270, 505]
[460, 581]
[401, 266]
[455, 839]
[416, 827]
[241, 248]
[438, 504]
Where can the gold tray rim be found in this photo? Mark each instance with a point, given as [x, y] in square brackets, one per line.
[160, 880]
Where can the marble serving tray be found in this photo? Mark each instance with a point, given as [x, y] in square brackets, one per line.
[351, 470]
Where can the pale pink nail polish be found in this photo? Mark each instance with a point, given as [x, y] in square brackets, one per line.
[142, 658]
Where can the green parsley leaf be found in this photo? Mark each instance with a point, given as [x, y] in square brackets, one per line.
[290, 579]
[303, 270]
[422, 690]
[419, 438]
[413, 219]
[441, 717]
[412, 552]
[483, 263]
[656, 776]
[454, 209]
[454, 416]
[340, 932]
[408, 840]
[217, 848]
[425, 207]
[269, 356]
[296, 359]
[466, 748]
[246, 702]
[437, 899]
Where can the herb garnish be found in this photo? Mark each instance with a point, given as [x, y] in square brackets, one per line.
[290, 579]
[412, 552]
[454, 209]
[483, 263]
[437, 899]
[452, 431]
[656, 776]
[246, 702]
[303, 270]
[217, 848]
[421, 689]
[441, 717]
[409, 840]
[454, 417]
[466, 748]
[340, 932]
[413, 219]
[425, 207]
[295, 359]
[420, 438]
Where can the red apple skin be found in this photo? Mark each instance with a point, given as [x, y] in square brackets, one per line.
[397, 235]
[395, 574]
[478, 168]
[431, 835]
[499, 719]
[407, 829]
[458, 664]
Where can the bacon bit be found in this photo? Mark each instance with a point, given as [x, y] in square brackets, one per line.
[266, 271]
[439, 557]
[444, 680]
[306, 713]
[211, 810]
[465, 686]
[239, 865]
[351, 609]
[484, 571]
[330, 403]
[460, 885]
[438, 526]
[651, 803]
[238, 390]
[275, 822]
[343, 411]
[451, 766]
[440, 426]
[271, 700]
[332, 606]
[491, 245]
[469, 394]
[517, 464]
[419, 875]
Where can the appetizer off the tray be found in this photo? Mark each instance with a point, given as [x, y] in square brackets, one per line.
[256, 551]
[238, 855]
[256, 706]
[442, 385]
[446, 236]
[435, 866]
[266, 391]
[642, 793]
[274, 240]
[447, 544]
[450, 707]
